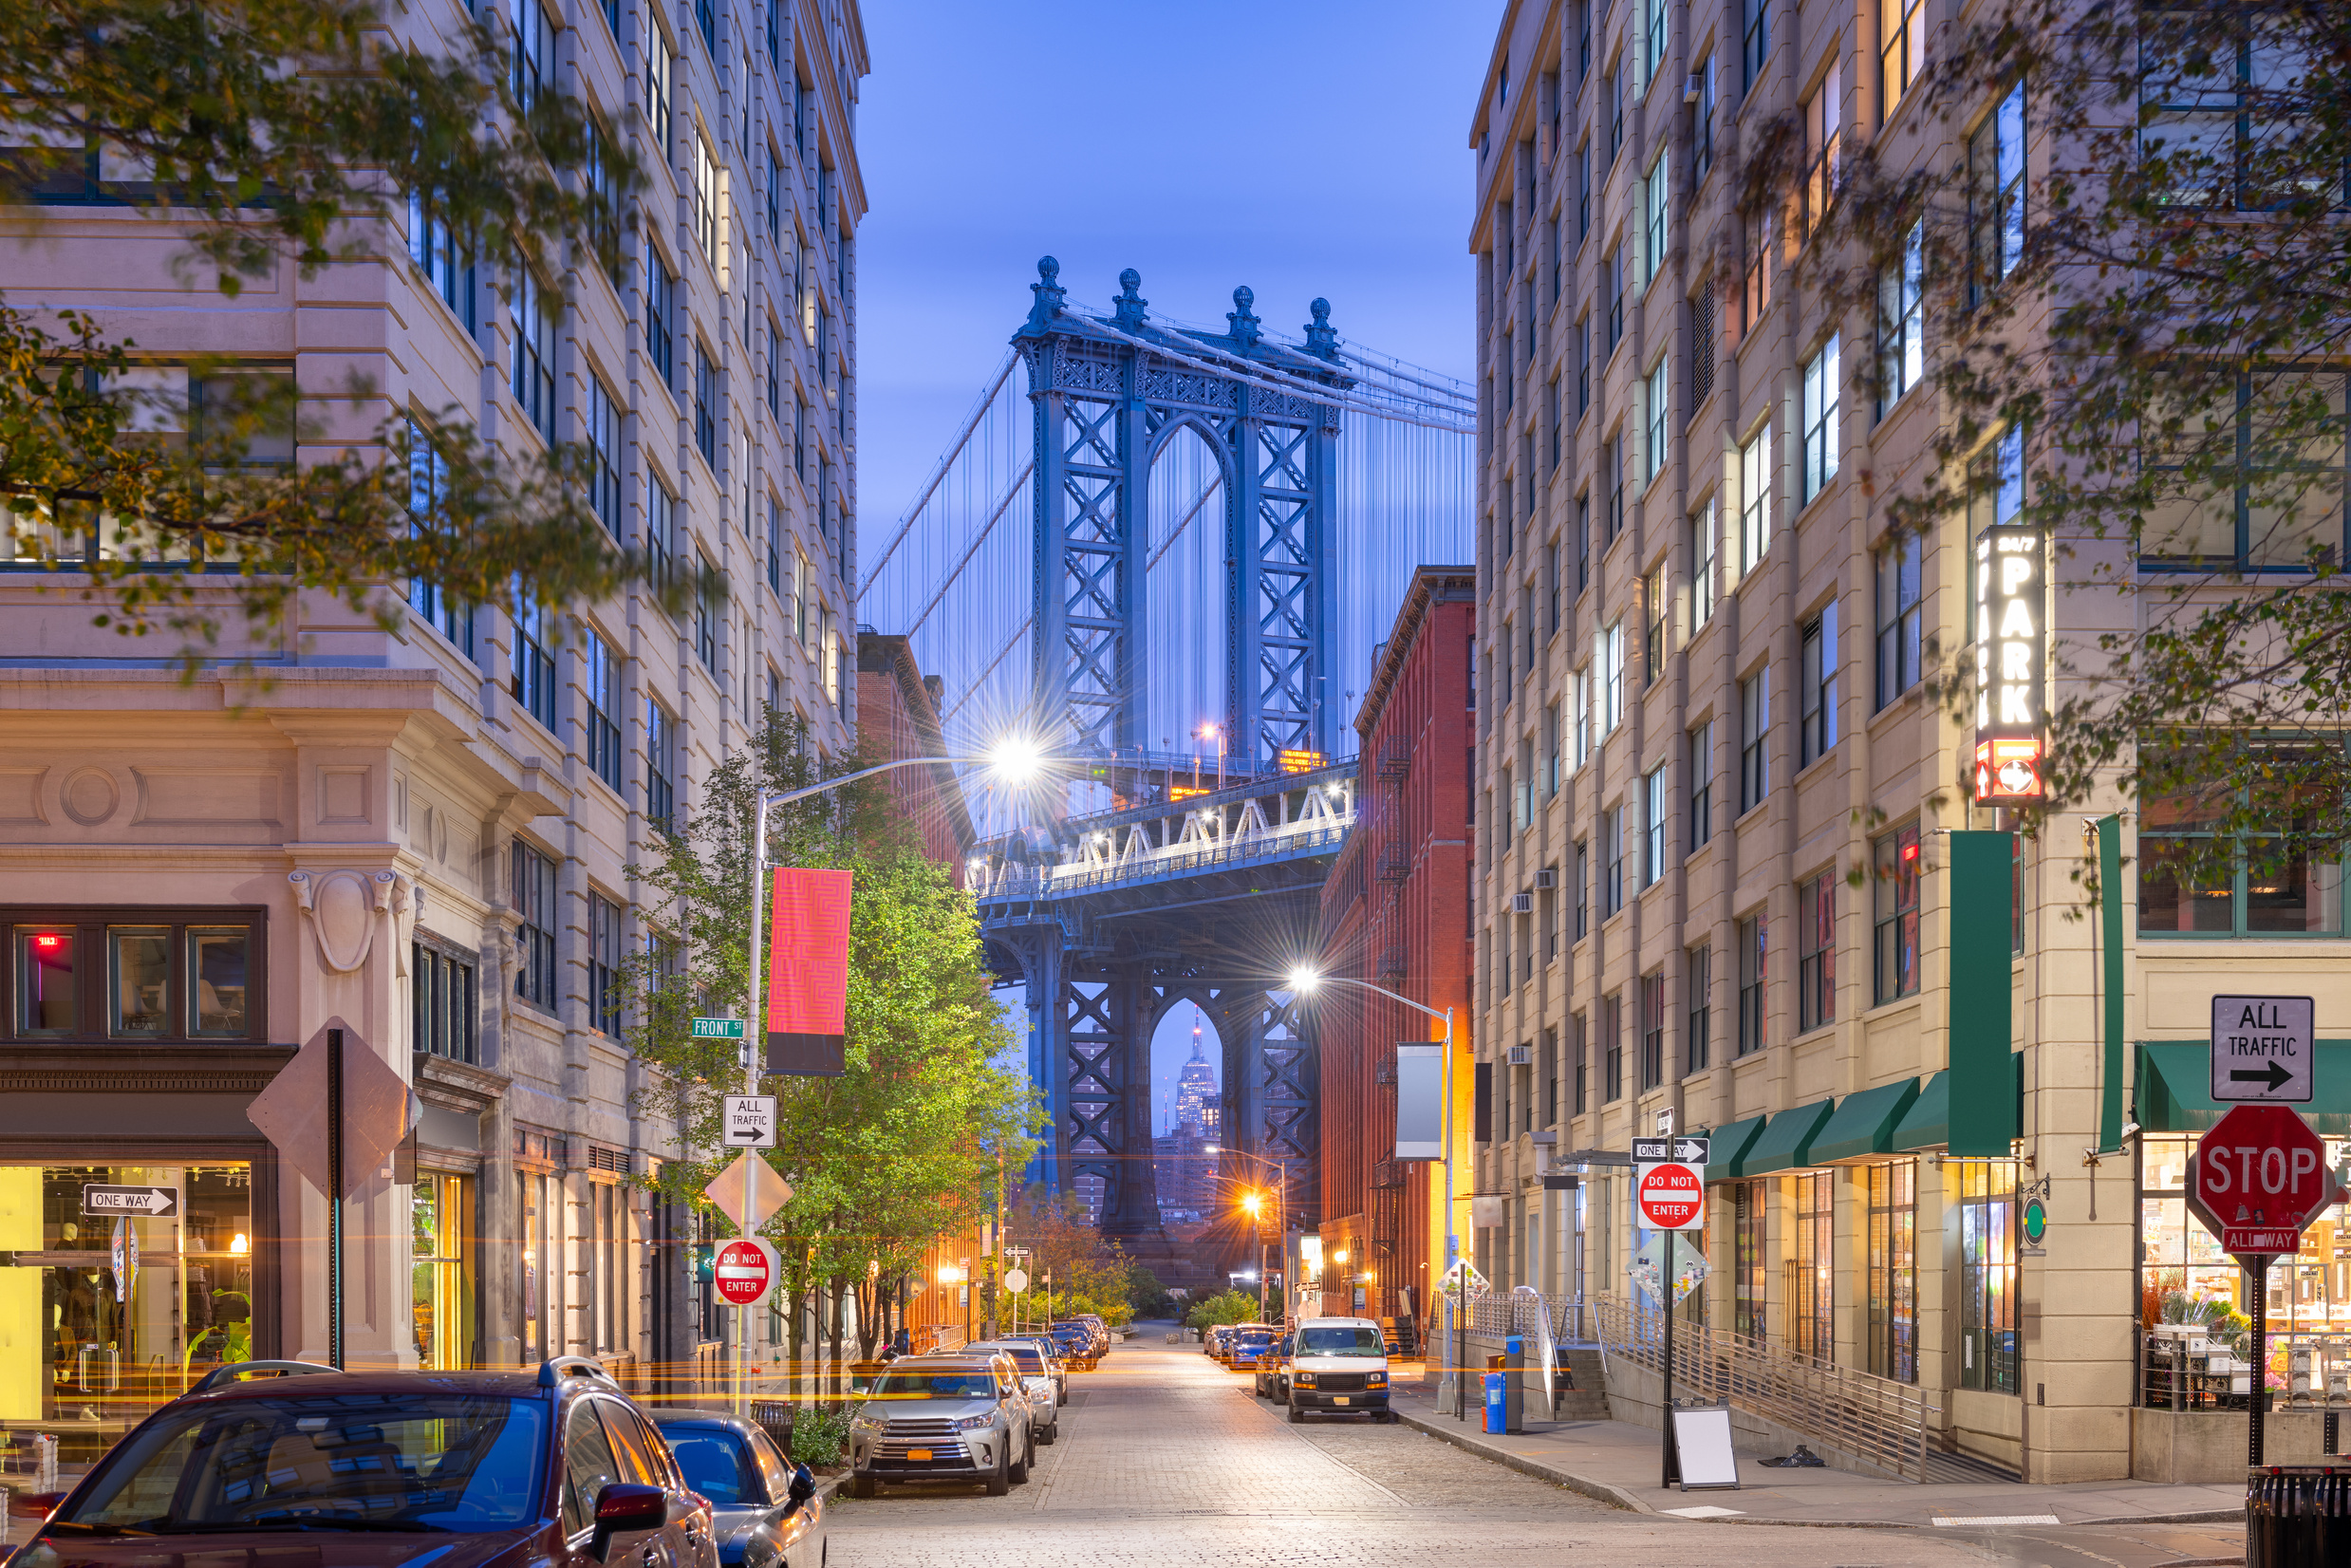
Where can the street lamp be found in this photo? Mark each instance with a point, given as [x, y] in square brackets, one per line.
[1305, 980]
[1253, 1202]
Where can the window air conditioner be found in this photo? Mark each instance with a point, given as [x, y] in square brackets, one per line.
[1695, 88]
[1521, 1056]
[1522, 903]
[1546, 879]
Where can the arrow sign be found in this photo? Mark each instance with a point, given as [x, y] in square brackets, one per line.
[2275, 1075]
[2263, 1049]
[151, 1203]
[750, 1121]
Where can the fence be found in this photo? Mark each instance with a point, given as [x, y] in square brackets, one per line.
[2187, 1366]
[1873, 1419]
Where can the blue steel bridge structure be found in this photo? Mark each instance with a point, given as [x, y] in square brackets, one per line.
[1166, 552]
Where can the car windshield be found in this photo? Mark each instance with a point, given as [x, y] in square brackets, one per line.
[716, 1462]
[1026, 1359]
[425, 1461]
[907, 1383]
[1339, 1342]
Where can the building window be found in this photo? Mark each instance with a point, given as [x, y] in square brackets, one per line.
[1657, 400]
[601, 672]
[1750, 1252]
[1653, 1030]
[1613, 679]
[1754, 969]
[2218, 105]
[1900, 618]
[660, 308]
[1653, 823]
[1702, 331]
[534, 931]
[661, 532]
[1702, 122]
[1613, 290]
[1757, 235]
[603, 964]
[1754, 739]
[534, 51]
[2194, 879]
[603, 440]
[1702, 784]
[1895, 904]
[1581, 693]
[1613, 861]
[829, 650]
[1653, 626]
[1652, 40]
[1815, 951]
[1996, 194]
[1902, 321]
[1757, 46]
[661, 71]
[1754, 501]
[432, 247]
[1583, 372]
[1894, 1270]
[428, 491]
[1581, 1070]
[1987, 1275]
[1552, 775]
[1612, 1046]
[445, 1011]
[534, 320]
[1820, 410]
[1583, 889]
[1701, 1045]
[1815, 724]
[706, 620]
[531, 678]
[705, 405]
[2276, 490]
[1655, 231]
[659, 764]
[1813, 1271]
[706, 200]
[141, 975]
[1823, 120]
[1903, 34]
[1703, 581]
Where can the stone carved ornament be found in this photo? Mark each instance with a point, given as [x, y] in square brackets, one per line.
[344, 907]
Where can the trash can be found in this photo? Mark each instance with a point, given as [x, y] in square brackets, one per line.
[1497, 1400]
[2297, 1514]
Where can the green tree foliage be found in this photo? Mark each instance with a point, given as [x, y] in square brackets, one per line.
[1089, 1272]
[913, 1139]
[2135, 340]
[1232, 1306]
[269, 136]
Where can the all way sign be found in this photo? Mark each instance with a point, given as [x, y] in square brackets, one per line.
[149, 1203]
[2263, 1049]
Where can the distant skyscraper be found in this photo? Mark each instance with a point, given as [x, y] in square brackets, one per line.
[1198, 1106]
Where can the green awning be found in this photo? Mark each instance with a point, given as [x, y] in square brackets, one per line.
[1863, 1124]
[1927, 1124]
[2174, 1091]
[1787, 1141]
[1729, 1147]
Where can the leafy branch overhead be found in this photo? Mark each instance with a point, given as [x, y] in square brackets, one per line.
[2098, 255]
[289, 134]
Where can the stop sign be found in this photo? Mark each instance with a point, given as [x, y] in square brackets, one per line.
[744, 1272]
[1669, 1195]
[2258, 1178]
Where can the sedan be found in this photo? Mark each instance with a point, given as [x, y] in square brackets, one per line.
[765, 1507]
[1273, 1372]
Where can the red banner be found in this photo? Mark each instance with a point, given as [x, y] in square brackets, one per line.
[808, 973]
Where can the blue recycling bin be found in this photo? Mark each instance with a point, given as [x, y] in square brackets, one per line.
[1496, 1402]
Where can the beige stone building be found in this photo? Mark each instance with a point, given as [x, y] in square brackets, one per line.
[1712, 870]
[427, 834]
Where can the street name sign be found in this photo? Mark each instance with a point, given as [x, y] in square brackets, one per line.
[2257, 1177]
[148, 1203]
[749, 1122]
[2263, 1049]
[718, 1029]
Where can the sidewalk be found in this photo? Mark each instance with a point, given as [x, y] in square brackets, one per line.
[1618, 1462]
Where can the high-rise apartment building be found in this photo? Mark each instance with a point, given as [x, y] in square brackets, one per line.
[426, 836]
[1715, 832]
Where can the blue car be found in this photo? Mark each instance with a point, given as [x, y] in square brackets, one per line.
[1248, 1349]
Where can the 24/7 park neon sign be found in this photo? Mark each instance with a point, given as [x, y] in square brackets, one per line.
[2011, 656]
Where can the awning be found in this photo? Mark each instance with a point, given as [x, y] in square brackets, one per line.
[1786, 1140]
[1864, 1123]
[2175, 1088]
[1927, 1124]
[1729, 1147]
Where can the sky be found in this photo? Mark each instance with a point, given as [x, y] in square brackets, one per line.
[1303, 147]
[1300, 147]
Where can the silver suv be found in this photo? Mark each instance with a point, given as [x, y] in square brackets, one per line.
[1036, 1376]
[944, 1418]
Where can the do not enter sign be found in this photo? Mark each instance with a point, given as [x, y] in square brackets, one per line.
[2258, 1178]
[744, 1272]
[1669, 1195]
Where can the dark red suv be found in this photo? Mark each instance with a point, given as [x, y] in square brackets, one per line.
[555, 1469]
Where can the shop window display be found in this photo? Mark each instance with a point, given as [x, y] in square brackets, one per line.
[441, 1291]
[1986, 1274]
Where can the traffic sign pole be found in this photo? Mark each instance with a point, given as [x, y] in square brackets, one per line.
[2258, 1266]
[1672, 1471]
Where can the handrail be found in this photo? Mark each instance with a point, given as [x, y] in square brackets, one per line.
[1014, 881]
[1877, 1420]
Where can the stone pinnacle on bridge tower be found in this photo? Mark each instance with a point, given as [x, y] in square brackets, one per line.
[1246, 328]
[1321, 341]
[1130, 305]
[1049, 292]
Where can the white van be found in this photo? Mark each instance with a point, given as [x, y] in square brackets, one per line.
[1340, 1365]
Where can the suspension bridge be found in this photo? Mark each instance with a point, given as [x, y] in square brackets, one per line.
[1125, 488]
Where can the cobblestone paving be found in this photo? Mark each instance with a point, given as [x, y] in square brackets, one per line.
[1168, 1460]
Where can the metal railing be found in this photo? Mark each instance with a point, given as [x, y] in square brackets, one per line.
[1877, 1420]
[2185, 1366]
[1015, 881]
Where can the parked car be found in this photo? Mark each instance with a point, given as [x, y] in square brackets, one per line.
[1247, 1346]
[1052, 1352]
[1212, 1341]
[1338, 1365]
[1036, 1375]
[1101, 1331]
[765, 1510]
[1232, 1339]
[556, 1468]
[1273, 1372]
[1076, 1344]
[943, 1418]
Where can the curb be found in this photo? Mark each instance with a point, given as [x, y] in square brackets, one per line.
[1598, 1490]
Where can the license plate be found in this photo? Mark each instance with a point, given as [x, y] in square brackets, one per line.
[1339, 1399]
[921, 1455]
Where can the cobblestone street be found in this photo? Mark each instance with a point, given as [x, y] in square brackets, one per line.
[1165, 1459]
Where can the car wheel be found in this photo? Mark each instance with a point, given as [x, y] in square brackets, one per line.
[861, 1485]
[1000, 1481]
[1018, 1471]
[1052, 1433]
[1298, 1416]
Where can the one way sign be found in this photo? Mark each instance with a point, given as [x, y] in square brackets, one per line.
[2263, 1049]
[152, 1202]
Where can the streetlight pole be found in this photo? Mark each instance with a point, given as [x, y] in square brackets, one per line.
[1305, 981]
[1282, 1224]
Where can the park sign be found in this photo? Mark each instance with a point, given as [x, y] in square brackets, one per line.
[2257, 1177]
[2263, 1049]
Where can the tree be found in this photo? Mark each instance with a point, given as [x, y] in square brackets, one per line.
[1089, 1272]
[1231, 1306]
[911, 1142]
[2129, 294]
[269, 134]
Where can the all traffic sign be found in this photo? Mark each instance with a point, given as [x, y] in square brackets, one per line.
[749, 1122]
[744, 1271]
[2261, 1049]
[2257, 1177]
